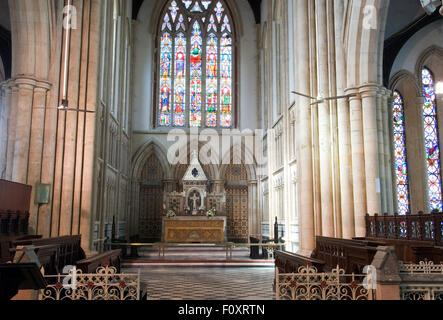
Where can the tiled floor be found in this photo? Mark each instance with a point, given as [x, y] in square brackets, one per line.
[208, 283]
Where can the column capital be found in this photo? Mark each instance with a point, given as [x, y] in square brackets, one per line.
[30, 81]
[353, 91]
[24, 82]
[369, 90]
[44, 85]
[385, 91]
[8, 84]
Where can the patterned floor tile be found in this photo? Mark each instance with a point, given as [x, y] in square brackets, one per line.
[173, 283]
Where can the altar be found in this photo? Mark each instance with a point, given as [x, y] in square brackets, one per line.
[187, 218]
[194, 229]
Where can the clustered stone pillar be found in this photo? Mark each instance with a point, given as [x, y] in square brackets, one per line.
[37, 144]
[12, 117]
[23, 129]
[386, 103]
[358, 163]
[369, 107]
[344, 138]
[25, 101]
[306, 206]
[4, 106]
[324, 129]
[381, 151]
[254, 219]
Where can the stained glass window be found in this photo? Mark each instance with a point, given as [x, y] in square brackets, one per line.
[432, 143]
[196, 76]
[165, 80]
[211, 81]
[226, 81]
[180, 80]
[401, 166]
[196, 51]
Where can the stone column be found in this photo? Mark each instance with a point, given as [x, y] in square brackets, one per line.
[169, 185]
[36, 146]
[3, 128]
[386, 105]
[370, 135]
[358, 163]
[381, 150]
[254, 219]
[306, 206]
[12, 121]
[23, 129]
[324, 129]
[218, 186]
[344, 138]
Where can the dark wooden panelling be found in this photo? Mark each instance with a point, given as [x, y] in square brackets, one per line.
[14, 197]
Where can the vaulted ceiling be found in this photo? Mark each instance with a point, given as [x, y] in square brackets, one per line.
[401, 14]
[405, 18]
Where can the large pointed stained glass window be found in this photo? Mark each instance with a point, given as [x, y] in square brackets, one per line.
[195, 85]
[432, 143]
[401, 165]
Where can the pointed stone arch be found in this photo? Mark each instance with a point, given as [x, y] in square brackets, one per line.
[251, 164]
[432, 58]
[152, 146]
[364, 41]
[405, 76]
[237, 193]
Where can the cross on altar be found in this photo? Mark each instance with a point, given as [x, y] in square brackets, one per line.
[194, 199]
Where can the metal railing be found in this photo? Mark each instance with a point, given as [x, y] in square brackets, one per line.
[423, 281]
[105, 284]
[421, 292]
[229, 246]
[424, 267]
[309, 284]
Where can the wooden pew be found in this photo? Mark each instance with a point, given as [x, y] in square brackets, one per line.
[57, 253]
[5, 255]
[110, 258]
[350, 255]
[413, 251]
[288, 262]
[68, 250]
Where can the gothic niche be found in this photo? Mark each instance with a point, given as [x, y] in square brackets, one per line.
[151, 200]
[237, 199]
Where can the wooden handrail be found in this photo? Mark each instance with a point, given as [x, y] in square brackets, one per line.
[419, 227]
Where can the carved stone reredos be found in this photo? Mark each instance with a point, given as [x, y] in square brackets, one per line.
[195, 171]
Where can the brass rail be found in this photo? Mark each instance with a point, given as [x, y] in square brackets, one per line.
[229, 246]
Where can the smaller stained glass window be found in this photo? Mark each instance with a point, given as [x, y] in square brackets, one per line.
[432, 143]
[401, 166]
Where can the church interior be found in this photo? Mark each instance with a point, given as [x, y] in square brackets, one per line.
[221, 149]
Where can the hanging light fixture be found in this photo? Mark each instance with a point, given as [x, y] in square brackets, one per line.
[431, 5]
[67, 46]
